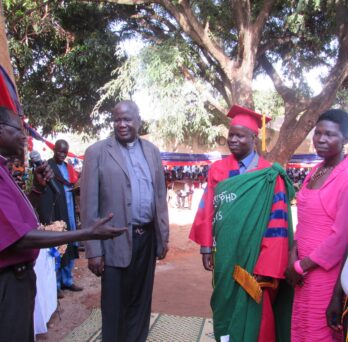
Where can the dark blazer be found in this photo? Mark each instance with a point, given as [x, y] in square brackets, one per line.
[105, 188]
[52, 207]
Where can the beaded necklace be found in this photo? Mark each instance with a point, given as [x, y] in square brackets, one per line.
[320, 172]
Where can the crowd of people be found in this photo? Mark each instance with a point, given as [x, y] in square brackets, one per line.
[183, 181]
[192, 172]
[297, 176]
[269, 284]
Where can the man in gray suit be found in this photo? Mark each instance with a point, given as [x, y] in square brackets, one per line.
[123, 174]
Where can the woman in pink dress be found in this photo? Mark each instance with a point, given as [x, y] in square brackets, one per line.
[322, 233]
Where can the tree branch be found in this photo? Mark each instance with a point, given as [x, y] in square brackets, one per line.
[199, 34]
[274, 42]
[242, 11]
[285, 92]
[131, 2]
[190, 25]
[213, 105]
[261, 19]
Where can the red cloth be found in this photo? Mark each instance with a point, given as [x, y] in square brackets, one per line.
[5, 96]
[73, 176]
[267, 326]
[202, 228]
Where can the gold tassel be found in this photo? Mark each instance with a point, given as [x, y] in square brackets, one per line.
[248, 283]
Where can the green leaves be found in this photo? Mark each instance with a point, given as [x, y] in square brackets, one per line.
[178, 108]
[62, 53]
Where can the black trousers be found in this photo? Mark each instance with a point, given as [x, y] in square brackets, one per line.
[127, 293]
[17, 300]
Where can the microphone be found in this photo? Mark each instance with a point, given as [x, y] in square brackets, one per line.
[35, 158]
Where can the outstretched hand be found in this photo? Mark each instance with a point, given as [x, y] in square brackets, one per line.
[102, 231]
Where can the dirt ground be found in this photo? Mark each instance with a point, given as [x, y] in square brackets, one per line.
[182, 286]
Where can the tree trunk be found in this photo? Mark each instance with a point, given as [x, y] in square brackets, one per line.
[5, 60]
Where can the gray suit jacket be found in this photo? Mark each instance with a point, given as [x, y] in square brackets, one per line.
[105, 188]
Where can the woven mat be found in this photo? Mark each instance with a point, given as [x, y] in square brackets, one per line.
[163, 328]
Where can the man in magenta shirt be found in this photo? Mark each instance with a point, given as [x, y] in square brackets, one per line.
[20, 239]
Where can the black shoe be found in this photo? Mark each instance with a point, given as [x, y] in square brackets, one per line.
[73, 288]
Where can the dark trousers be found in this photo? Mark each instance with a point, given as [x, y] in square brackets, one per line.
[17, 300]
[127, 293]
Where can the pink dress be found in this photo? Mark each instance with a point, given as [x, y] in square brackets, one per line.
[312, 299]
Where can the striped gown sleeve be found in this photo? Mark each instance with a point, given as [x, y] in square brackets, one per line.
[273, 257]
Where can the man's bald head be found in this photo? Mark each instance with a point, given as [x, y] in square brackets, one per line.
[130, 105]
[126, 121]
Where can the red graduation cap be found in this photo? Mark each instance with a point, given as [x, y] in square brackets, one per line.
[241, 116]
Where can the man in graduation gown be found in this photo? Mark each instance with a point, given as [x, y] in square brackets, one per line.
[244, 220]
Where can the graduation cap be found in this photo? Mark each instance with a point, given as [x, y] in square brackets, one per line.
[241, 116]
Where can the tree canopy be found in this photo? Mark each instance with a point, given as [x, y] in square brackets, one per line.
[226, 44]
[207, 52]
[62, 53]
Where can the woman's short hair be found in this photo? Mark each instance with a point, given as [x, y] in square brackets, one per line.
[338, 116]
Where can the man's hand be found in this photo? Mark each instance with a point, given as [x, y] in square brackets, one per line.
[96, 265]
[102, 231]
[164, 252]
[292, 277]
[43, 174]
[263, 279]
[208, 261]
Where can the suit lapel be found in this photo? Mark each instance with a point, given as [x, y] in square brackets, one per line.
[149, 158]
[115, 152]
[56, 170]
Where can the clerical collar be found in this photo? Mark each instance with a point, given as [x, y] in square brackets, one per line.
[129, 145]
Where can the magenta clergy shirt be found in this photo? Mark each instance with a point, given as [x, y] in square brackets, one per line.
[17, 217]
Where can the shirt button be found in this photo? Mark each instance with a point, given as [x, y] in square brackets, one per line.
[129, 204]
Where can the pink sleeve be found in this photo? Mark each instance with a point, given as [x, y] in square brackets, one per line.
[331, 251]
